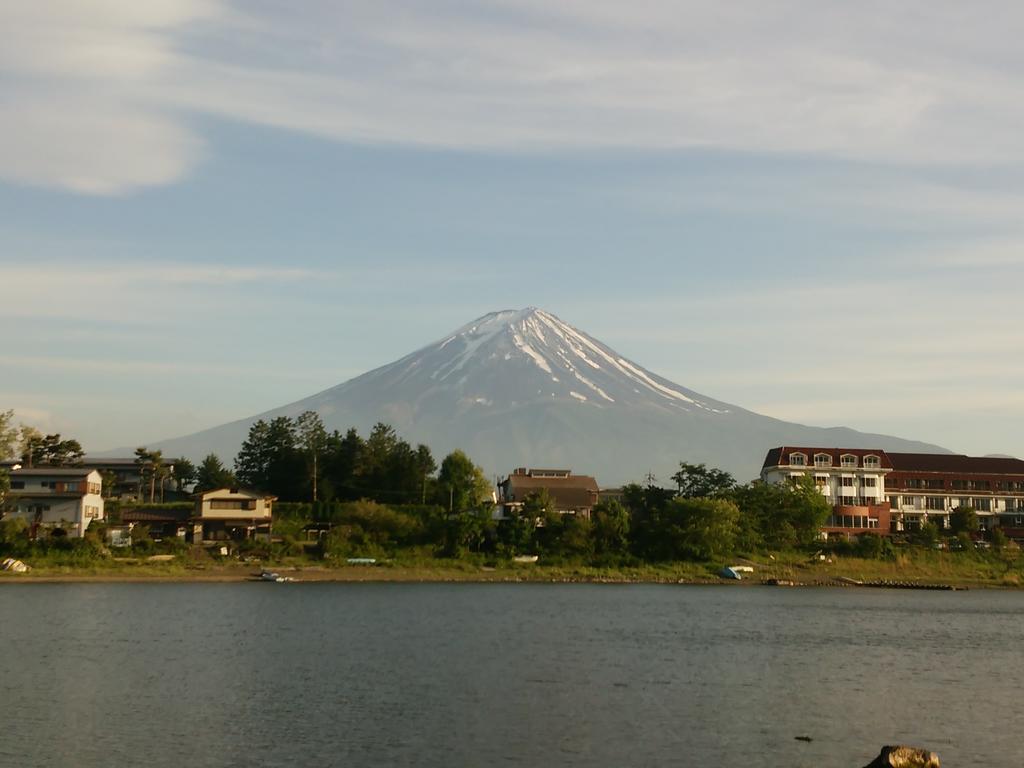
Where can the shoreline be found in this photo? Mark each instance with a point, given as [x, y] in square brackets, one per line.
[847, 578]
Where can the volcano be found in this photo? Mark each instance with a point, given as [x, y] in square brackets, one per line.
[521, 388]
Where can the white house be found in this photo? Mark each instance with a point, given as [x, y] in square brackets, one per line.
[66, 500]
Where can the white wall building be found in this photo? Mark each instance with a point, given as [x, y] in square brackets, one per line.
[56, 499]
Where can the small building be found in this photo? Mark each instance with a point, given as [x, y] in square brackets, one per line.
[231, 514]
[58, 501]
[570, 494]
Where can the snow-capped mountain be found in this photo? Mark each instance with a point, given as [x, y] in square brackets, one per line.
[523, 388]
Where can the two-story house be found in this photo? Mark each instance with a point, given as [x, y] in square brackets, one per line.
[570, 494]
[225, 514]
[60, 501]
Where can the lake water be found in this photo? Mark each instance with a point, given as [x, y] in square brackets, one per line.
[482, 675]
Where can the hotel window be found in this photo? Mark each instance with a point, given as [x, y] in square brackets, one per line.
[822, 460]
[983, 505]
[821, 480]
[848, 501]
[17, 485]
[870, 482]
[872, 522]
[935, 485]
[848, 460]
[847, 482]
[797, 460]
[935, 502]
[871, 462]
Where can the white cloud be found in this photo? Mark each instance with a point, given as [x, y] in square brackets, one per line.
[100, 91]
[82, 109]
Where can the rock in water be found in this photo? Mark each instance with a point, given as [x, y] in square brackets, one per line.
[904, 757]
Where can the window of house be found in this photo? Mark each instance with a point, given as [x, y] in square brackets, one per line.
[871, 461]
[822, 460]
[983, 505]
[847, 482]
[935, 502]
[935, 484]
[821, 480]
[848, 460]
[17, 485]
[797, 459]
[870, 482]
[225, 504]
[848, 501]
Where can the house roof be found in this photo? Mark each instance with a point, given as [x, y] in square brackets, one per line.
[233, 492]
[945, 462]
[574, 491]
[52, 472]
[780, 456]
[156, 515]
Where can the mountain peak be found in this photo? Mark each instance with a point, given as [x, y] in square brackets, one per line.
[522, 387]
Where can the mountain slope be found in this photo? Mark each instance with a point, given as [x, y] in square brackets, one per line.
[522, 388]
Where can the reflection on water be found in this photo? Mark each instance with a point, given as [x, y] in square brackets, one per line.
[450, 675]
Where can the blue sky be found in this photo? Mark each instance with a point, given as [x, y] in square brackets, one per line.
[808, 209]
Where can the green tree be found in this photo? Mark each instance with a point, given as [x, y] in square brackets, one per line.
[312, 440]
[462, 485]
[212, 474]
[343, 456]
[698, 481]
[963, 520]
[696, 529]
[271, 460]
[9, 435]
[782, 515]
[30, 445]
[927, 535]
[611, 528]
[999, 539]
[150, 464]
[184, 473]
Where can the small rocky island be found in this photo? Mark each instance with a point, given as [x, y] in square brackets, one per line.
[904, 757]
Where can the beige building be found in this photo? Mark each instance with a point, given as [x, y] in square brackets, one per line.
[227, 514]
[56, 500]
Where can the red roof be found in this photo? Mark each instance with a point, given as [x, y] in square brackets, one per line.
[943, 462]
[780, 456]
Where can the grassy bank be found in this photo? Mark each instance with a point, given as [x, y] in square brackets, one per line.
[912, 566]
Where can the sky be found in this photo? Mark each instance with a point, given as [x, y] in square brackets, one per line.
[809, 209]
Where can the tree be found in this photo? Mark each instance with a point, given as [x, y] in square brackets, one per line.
[30, 445]
[695, 529]
[184, 473]
[270, 459]
[8, 436]
[151, 465]
[462, 485]
[212, 474]
[780, 515]
[697, 481]
[611, 528]
[312, 439]
[963, 520]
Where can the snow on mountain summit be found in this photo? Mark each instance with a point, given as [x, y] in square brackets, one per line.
[549, 358]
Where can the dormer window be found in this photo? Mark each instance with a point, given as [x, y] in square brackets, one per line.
[798, 460]
[822, 460]
[848, 460]
[871, 462]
